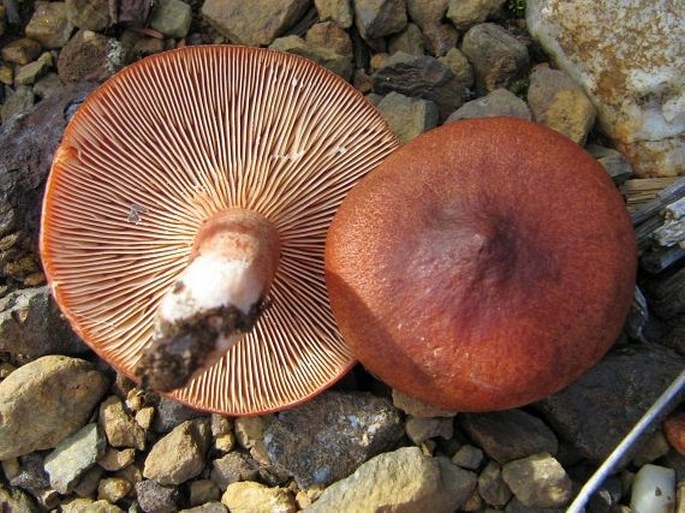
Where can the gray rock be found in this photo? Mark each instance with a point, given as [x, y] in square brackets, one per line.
[208, 507]
[21, 51]
[597, 411]
[421, 429]
[202, 491]
[466, 13]
[14, 499]
[89, 506]
[172, 18]
[408, 117]
[338, 11]
[251, 497]
[328, 58]
[253, 23]
[170, 413]
[468, 457]
[45, 401]
[410, 41]
[379, 18]
[31, 324]
[90, 56]
[499, 102]
[557, 102]
[510, 434]
[498, 58]
[49, 85]
[50, 25]
[491, 486]
[234, 467]
[119, 427]
[421, 76]
[17, 103]
[32, 476]
[88, 14]
[403, 481]
[325, 439]
[73, 456]
[538, 481]
[88, 484]
[456, 61]
[640, 99]
[427, 13]
[416, 407]
[155, 498]
[613, 161]
[179, 455]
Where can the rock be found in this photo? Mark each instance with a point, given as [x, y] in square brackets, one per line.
[410, 41]
[88, 14]
[31, 324]
[28, 74]
[251, 497]
[457, 62]
[203, 491]
[653, 490]
[427, 13]
[416, 407]
[516, 506]
[145, 417]
[45, 401]
[90, 56]
[421, 429]
[403, 481]
[120, 428]
[408, 117]
[73, 456]
[14, 499]
[19, 102]
[538, 481]
[492, 487]
[116, 460]
[330, 35]
[21, 51]
[222, 431]
[651, 448]
[31, 476]
[253, 23]
[379, 18]
[468, 457]
[209, 507]
[49, 85]
[639, 100]
[338, 11]
[421, 76]
[113, 489]
[50, 25]
[674, 430]
[509, 435]
[615, 394]
[327, 438]
[250, 430]
[90, 506]
[170, 414]
[499, 102]
[88, 484]
[234, 467]
[440, 39]
[466, 13]
[172, 18]
[155, 498]
[6, 77]
[613, 161]
[328, 58]
[557, 102]
[498, 58]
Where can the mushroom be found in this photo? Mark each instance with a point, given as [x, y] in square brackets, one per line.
[184, 222]
[482, 266]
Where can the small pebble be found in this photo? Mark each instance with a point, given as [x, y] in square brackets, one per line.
[113, 489]
[654, 490]
[468, 457]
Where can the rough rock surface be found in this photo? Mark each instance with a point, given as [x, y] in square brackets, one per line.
[379, 18]
[155, 498]
[640, 100]
[327, 57]
[90, 56]
[339, 11]
[408, 117]
[251, 497]
[614, 394]
[50, 25]
[466, 13]
[327, 438]
[88, 14]
[416, 407]
[403, 481]
[44, 401]
[499, 102]
[233, 467]
[119, 426]
[538, 481]
[253, 23]
[508, 435]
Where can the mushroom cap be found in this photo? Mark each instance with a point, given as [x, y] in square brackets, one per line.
[482, 266]
[163, 146]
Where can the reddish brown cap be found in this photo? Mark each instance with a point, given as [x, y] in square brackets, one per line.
[166, 144]
[482, 266]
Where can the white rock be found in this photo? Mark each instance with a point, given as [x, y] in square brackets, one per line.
[653, 490]
[628, 58]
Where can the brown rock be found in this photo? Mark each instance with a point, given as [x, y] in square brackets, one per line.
[50, 25]
[21, 51]
[120, 428]
[330, 35]
[379, 18]
[89, 56]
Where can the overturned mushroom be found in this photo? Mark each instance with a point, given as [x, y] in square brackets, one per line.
[185, 216]
[482, 266]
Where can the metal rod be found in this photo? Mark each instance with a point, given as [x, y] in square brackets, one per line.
[659, 408]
